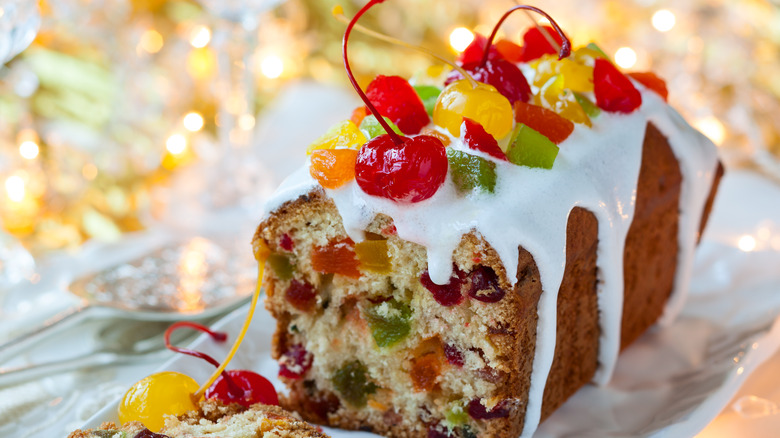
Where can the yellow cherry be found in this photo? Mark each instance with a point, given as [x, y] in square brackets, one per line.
[483, 104]
[150, 399]
[344, 134]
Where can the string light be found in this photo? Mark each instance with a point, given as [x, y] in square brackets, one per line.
[460, 38]
[29, 149]
[193, 122]
[272, 66]
[246, 122]
[151, 41]
[712, 128]
[200, 36]
[625, 57]
[664, 20]
[747, 243]
[176, 144]
[14, 188]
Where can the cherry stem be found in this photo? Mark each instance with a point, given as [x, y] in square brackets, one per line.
[565, 47]
[338, 13]
[217, 336]
[395, 137]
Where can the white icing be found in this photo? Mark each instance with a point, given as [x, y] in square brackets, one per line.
[597, 168]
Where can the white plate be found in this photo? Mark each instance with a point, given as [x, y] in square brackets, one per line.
[673, 380]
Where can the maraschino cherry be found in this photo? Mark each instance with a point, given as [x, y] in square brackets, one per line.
[391, 166]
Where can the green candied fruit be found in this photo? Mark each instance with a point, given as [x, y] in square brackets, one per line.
[596, 48]
[429, 95]
[470, 172]
[389, 322]
[530, 148]
[456, 416]
[281, 266]
[590, 108]
[371, 128]
[351, 382]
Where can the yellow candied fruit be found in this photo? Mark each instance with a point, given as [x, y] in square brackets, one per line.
[344, 134]
[150, 399]
[587, 56]
[575, 76]
[554, 96]
[483, 104]
[373, 256]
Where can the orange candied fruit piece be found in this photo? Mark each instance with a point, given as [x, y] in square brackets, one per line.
[358, 115]
[333, 168]
[509, 50]
[373, 256]
[434, 133]
[544, 121]
[427, 364]
[651, 81]
[338, 257]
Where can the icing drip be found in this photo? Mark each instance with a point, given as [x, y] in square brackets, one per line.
[597, 168]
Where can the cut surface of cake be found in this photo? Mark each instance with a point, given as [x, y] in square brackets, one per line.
[214, 419]
[477, 304]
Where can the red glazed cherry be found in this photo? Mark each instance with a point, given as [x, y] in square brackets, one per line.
[535, 43]
[248, 388]
[449, 294]
[614, 91]
[479, 412]
[500, 73]
[484, 285]
[475, 137]
[453, 355]
[301, 295]
[410, 172]
[476, 50]
[397, 100]
[295, 362]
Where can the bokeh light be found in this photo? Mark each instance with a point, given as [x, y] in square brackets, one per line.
[176, 144]
[200, 36]
[625, 57]
[29, 149]
[460, 38]
[272, 66]
[664, 20]
[193, 122]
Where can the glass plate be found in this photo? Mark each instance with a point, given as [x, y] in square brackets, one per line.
[674, 379]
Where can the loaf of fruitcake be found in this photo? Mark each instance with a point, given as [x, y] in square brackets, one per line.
[461, 256]
[213, 419]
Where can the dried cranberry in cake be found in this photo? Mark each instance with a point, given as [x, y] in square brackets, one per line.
[449, 294]
[478, 411]
[536, 43]
[614, 91]
[475, 137]
[146, 433]
[295, 362]
[338, 257]
[651, 81]
[544, 121]
[397, 100]
[484, 285]
[453, 355]
[286, 242]
[501, 74]
[301, 295]
[410, 172]
[246, 389]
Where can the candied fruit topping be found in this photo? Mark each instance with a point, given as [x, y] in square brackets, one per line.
[160, 394]
[394, 98]
[281, 266]
[475, 137]
[353, 383]
[614, 91]
[428, 94]
[652, 82]
[574, 75]
[483, 104]
[590, 108]
[484, 285]
[544, 121]
[536, 44]
[390, 322]
[445, 140]
[478, 411]
[333, 168]
[471, 173]
[509, 50]
[295, 362]
[372, 129]
[410, 172]
[476, 50]
[344, 134]
[499, 73]
[338, 257]
[373, 256]
[358, 115]
[301, 295]
[532, 149]
[449, 294]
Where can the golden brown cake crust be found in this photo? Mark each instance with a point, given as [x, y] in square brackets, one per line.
[649, 269]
